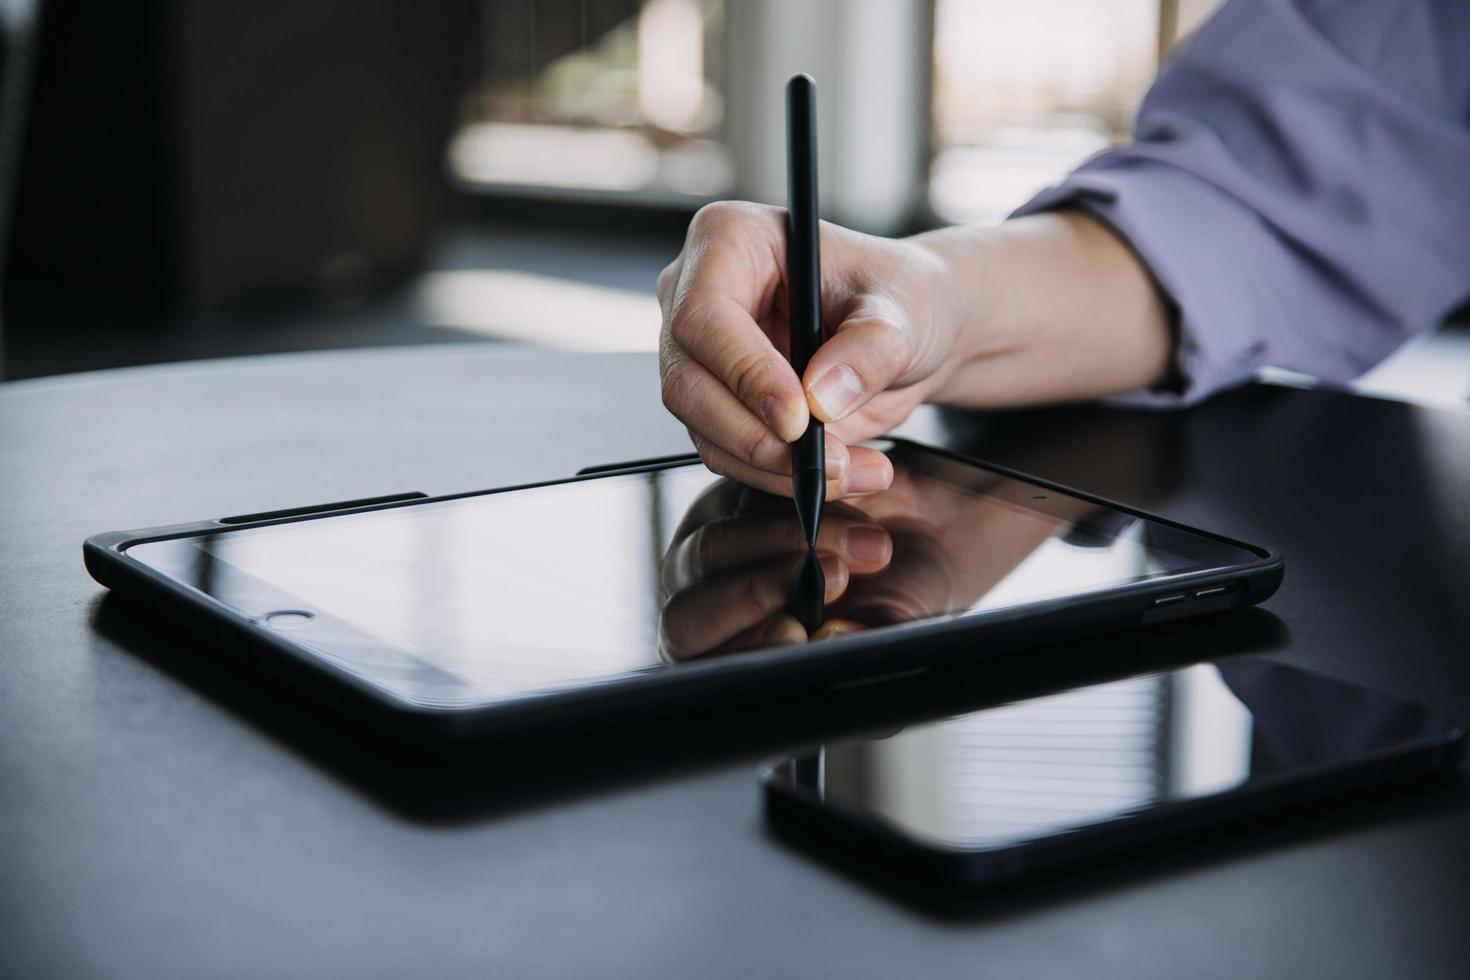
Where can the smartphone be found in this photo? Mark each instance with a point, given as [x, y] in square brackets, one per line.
[1001, 794]
[662, 587]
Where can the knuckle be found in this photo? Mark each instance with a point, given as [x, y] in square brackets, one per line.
[759, 592]
[678, 387]
[894, 333]
[709, 548]
[686, 319]
[679, 628]
[900, 336]
[721, 220]
[718, 214]
[712, 460]
[675, 389]
[669, 394]
[749, 372]
[757, 447]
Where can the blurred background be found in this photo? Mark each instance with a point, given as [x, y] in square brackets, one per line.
[198, 179]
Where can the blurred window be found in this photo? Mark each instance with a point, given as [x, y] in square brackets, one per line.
[1023, 92]
[621, 100]
[598, 99]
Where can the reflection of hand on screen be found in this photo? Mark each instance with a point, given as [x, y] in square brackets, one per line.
[919, 549]
[726, 579]
[951, 548]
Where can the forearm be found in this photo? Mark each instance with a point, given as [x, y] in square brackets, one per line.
[1050, 307]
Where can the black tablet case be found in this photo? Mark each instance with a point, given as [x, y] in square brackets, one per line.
[892, 651]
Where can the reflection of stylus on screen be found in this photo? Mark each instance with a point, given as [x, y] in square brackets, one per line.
[808, 593]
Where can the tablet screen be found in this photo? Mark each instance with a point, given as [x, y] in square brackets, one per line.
[1111, 752]
[499, 595]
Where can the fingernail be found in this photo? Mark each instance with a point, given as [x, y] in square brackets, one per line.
[835, 627]
[834, 575]
[783, 630]
[837, 392]
[836, 461]
[866, 479]
[866, 543]
[781, 418]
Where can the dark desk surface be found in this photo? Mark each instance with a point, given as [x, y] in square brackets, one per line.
[164, 815]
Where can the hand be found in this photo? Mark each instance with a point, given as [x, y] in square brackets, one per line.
[723, 351]
[1045, 308]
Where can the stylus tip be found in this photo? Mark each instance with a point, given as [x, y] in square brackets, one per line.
[808, 593]
[810, 490]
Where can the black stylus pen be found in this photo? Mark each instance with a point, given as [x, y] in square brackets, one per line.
[804, 294]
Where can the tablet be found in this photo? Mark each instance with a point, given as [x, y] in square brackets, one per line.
[664, 587]
[1001, 794]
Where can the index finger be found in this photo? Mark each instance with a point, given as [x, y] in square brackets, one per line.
[728, 278]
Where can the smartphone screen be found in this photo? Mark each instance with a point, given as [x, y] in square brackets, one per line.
[499, 595]
[1012, 776]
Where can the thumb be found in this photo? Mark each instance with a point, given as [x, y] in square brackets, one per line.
[866, 355]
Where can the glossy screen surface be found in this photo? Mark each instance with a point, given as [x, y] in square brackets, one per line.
[1111, 752]
[501, 595]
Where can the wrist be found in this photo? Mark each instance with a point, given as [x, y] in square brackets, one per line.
[969, 263]
[1048, 307]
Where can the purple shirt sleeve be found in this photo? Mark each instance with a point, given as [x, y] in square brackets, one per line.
[1298, 185]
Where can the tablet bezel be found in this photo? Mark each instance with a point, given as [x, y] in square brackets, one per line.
[904, 647]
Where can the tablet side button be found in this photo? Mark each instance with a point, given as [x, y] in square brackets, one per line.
[1169, 600]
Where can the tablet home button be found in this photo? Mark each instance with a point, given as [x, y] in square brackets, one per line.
[285, 619]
